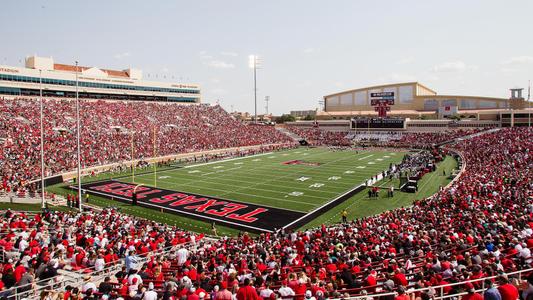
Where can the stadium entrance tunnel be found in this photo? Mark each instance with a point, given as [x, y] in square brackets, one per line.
[240, 215]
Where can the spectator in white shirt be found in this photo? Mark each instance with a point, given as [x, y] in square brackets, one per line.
[285, 291]
[150, 294]
[88, 284]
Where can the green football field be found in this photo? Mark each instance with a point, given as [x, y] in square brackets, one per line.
[265, 180]
[319, 176]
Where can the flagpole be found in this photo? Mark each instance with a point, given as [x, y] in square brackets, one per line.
[78, 138]
[529, 103]
[155, 162]
[42, 139]
[132, 160]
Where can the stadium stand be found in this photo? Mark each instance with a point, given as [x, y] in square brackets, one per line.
[478, 227]
[108, 129]
[318, 137]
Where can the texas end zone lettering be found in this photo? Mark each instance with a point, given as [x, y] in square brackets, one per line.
[239, 212]
[245, 216]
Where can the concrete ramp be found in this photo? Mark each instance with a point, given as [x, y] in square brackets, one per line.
[290, 134]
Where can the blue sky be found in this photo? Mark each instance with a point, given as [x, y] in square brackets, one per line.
[308, 48]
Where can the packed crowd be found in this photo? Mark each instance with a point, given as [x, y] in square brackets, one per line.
[480, 226]
[318, 137]
[426, 140]
[108, 130]
[36, 247]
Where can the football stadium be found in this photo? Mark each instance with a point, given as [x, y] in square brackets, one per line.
[122, 183]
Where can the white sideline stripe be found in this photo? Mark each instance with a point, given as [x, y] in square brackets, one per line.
[179, 212]
[224, 160]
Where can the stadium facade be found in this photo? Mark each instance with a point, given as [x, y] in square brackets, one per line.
[411, 99]
[59, 80]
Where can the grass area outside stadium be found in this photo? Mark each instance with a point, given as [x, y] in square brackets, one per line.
[317, 176]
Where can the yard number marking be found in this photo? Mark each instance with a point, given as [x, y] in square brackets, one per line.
[316, 185]
[303, 178]
[296, 194]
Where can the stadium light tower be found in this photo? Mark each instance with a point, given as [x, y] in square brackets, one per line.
[253, 63]
[529, 103]
[267, 99]
[42, 138]
[78, 138]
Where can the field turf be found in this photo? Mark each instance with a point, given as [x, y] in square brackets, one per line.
[266, 180]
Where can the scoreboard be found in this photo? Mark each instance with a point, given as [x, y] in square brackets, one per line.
[383, 97]
[377, 123]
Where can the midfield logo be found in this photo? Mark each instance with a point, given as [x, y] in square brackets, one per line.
[301, 162]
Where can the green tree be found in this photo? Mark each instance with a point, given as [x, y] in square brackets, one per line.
[286, 118]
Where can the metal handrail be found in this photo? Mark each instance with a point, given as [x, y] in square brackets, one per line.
[441, 288]
[75, 276]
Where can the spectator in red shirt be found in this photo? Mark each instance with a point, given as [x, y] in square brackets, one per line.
[507, 290]
[472, 295]
[247, 291]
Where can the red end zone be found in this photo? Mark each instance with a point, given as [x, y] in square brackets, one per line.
[245, 216]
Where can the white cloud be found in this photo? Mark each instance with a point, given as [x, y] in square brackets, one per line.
[518, 60]
[218, 64]
[229, 53]
[453, 66]
[121, 55]
[215, 80]
[309, 50]
[405, 60]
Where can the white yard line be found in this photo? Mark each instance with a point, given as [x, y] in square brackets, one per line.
[363, 158]
[220, 171]
[273, 185]
[195, 178]
[225, 160]
[253, 195]
[285, 176]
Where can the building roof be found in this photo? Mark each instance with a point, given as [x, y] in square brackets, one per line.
[71, 68]
[380, 86]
